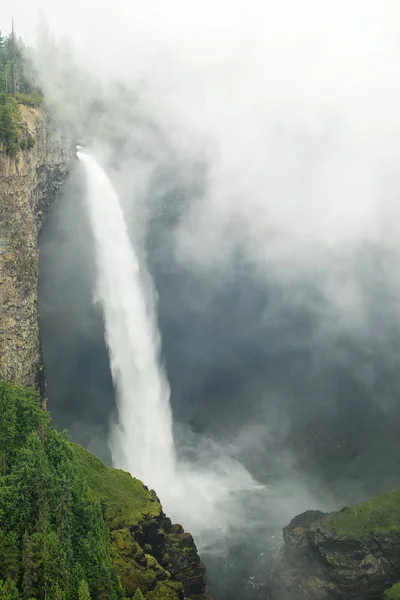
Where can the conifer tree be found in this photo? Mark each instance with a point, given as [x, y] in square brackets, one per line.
[83, 591]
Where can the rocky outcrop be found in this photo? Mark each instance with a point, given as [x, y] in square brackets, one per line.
[353, 554]
[28, 184]
[149, 552]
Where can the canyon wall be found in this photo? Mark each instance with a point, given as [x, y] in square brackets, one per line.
[29, 183]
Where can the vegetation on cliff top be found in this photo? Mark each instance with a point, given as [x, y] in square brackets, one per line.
[379, 516]
[17, 86]
[125, 498]
[393, 593]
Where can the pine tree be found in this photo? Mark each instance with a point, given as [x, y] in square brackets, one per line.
[9, 555]
[9, 590]
[29, 575]
[83, 591]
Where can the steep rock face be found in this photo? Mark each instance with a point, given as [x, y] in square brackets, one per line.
[148, 551]
[28, 183]
[353, 554]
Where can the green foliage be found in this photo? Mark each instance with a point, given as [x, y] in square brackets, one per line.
[83, 591]
[33, 99]
[10, 123]
[16, 87]
[54, 541]
[9, 590]
[27, 142]
[393, 593]
[138, 595]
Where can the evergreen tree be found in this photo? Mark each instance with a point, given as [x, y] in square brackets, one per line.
[83, 591]
[53, 534]
[10, 560]
[9, 590]
[17, 85]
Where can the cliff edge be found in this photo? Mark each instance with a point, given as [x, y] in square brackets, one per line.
[353, 554]
[28, 184]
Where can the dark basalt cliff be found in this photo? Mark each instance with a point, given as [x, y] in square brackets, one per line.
[353, 554]
[28, 184]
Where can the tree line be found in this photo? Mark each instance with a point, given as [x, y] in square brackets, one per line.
[17, 86]
[54, 540]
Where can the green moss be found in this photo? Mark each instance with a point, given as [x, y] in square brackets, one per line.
[168, 590]
[179, 547]
[139, 570]
[393, 593]
[379, 516]
[127, 501]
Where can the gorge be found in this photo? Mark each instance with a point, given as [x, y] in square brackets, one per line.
[218, 302]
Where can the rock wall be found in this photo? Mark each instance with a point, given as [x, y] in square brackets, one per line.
[353, 554]
[28, 184]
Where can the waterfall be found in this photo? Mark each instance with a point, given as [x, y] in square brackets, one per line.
[142, 442]
[206, 493]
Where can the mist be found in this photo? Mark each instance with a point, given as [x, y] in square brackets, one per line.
[255, 150]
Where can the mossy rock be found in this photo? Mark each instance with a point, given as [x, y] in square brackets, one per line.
[168, 590]
[393, 593]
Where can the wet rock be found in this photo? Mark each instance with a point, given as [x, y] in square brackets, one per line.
[353, 554]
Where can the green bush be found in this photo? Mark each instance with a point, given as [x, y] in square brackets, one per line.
[32, 99]
[27, 142]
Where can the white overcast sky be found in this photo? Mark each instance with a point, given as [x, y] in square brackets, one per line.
[97, 20]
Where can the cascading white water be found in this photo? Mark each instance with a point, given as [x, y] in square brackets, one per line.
[143, 441]
[203, 496]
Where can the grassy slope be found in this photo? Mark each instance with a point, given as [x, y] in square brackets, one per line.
[379, 516]
[393, 593]
[127, 500]
[127, 503]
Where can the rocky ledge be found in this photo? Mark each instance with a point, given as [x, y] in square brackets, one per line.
[353, 554]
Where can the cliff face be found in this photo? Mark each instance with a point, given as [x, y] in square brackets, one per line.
[28, 184]
[353, 554]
